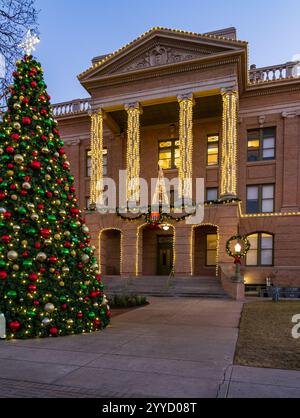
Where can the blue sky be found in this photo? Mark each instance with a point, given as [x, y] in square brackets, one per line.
[74, 31]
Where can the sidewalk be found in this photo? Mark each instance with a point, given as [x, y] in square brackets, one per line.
[171, 348]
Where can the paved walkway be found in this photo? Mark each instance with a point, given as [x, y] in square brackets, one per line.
[170, 348]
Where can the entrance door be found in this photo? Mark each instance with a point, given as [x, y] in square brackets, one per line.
[165, 255]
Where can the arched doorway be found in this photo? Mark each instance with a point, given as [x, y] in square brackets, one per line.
[157, 250]
[110, 246]
[205, 250]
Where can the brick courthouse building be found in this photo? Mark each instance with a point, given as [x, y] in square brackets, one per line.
[245, 143]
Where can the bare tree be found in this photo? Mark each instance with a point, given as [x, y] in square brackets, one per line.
[16, 17]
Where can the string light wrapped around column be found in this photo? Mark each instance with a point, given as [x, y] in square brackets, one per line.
[133, 153]
[185, 171]
[97, 158]
[229, 145]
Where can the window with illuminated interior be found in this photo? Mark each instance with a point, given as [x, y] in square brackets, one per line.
[213, 149]
[261, 144]
[168, 153]
[261, 252]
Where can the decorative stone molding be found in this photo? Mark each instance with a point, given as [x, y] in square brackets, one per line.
[73, 142]
[289, 114]
[261, 120]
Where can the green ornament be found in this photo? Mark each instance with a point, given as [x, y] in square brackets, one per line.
[31, 231]
[50, 144]
[22, 211]
[73, 225]
[40, 192]
[51, 218]
[71, 178]
[31, 314]
[61, 143]
[63, 299]
[83, 286]
[87, 250]
[27, 263]
[65, 251]
[2, 263]
[11, 294]
[63, 196]
[3, 185]
[92, 315]
[75, 239]
[5, 158]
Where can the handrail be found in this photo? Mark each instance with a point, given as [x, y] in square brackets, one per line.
[171, 275]
[274, 72]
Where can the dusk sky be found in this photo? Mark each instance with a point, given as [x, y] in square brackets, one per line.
[74, 31]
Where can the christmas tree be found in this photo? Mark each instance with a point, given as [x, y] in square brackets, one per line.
[49, 285]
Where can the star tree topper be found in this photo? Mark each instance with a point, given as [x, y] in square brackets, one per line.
[29, 42]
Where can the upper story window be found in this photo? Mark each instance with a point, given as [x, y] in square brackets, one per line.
[261, 252]
[168, 153]
[213, 149]
[212, 193]
[261, 144]
[260, 199]
[88, 163]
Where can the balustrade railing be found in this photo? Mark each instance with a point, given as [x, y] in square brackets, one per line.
[274, 72]
[69, 108]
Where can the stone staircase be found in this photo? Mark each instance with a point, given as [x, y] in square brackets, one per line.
[206, 287]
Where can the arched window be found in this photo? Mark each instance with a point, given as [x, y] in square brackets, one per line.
[261, 252]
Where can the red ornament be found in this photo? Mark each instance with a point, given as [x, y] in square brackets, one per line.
[45, 232]
[36, 302]
[36, 165]
[49, 194]
[79, 314]
[24, 192]
[35, 153]
[42, 270]
[13, 186]
[43, 112]
[33, 84]
[67, 245]
[32, 288]
[26, 120]
[25, 100]
[108, 313]
[2, 195]
[61, 151]
[7, 215]
[53, 259]
[14, 326]
[75, 211]
[37, 245]
[25, 254]
[6, 238]
[10, 166]
[10, 150]
[15, 137]
[3, 275]
[97, 323]
[44, 138]
[64, 306]
[72, 189]
[33, 277]
[93, 294]
[66, 165]
[86, 298]
[53, 331]
[40, 206]
[26, 178]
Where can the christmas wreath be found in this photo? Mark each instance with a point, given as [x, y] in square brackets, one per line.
[245, 249]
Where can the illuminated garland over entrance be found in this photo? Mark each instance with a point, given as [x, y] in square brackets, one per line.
[97, 158]
[229, 144]
[185, 146]
[133, 153]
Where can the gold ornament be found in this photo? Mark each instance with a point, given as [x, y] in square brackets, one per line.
[61, 283]
[45, 150]
[41, 257]
[17, 125]
[18, 158]
[49, 307]
[34, 216]
[12, 255]
[10, 173]
[48, 241]
[57, 237]
[73, 253]
[65, 269]
[14, 197]
[16, 228]
[24, 243]
[26, 185]
[52, 270]
[47, 177]
[16, 267]
[17, 106]
[70, 322]
[30, 206]
[85, 258]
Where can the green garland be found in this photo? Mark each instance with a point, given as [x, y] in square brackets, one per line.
[241, 238]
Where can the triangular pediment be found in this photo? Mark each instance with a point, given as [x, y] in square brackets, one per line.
[160, 47]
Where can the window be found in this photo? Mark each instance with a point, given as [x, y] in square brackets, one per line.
[212, 193]
[213, 150]
[168, 153]
[261, 250]
[211, 249]
[88, 163]
[261, 144]
[260, 199]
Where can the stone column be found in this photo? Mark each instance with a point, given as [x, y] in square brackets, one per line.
[185, 172]
[229, 145]
[133, 153]
[290, 162]
[96, 191]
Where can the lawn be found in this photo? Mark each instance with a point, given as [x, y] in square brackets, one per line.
[265, 337]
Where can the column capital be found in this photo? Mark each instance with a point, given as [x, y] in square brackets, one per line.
[94, 111]
[185, 96]
[132, 105]
[229, 90]
[291, 114]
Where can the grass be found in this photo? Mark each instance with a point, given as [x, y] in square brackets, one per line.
[265, 337]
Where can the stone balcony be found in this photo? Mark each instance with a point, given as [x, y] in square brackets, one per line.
[278, 72]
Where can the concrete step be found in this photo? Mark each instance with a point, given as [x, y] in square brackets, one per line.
[162, 286]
